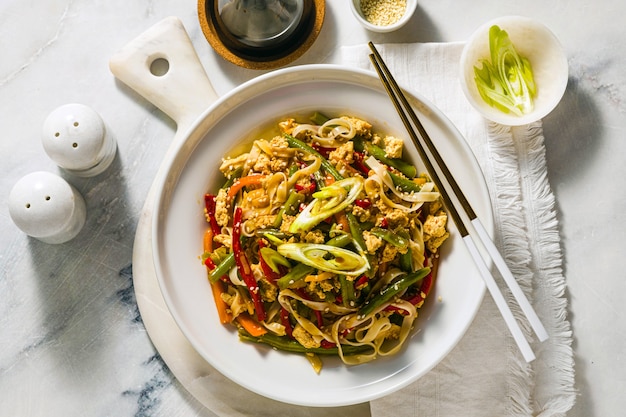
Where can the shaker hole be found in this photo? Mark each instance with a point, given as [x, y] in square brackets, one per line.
[47, 198]
[27, 205]
[57, 134]
[75, 124]
[159, 67]
[74, 145]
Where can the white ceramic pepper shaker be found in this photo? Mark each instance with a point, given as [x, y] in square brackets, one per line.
[45, 206]
[75, 138]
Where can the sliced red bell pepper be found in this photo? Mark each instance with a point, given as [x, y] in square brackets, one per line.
[427, 283]
[324, 151]
[209, 205]
[243, 265]
[364, 204]
[305, 190]
[327, 345]
[361, 282]
[359, 163]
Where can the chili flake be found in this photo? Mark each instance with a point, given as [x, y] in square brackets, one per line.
[383, 12]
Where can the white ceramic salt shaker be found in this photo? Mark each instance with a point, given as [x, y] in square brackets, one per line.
[75, 138]
[45, 206]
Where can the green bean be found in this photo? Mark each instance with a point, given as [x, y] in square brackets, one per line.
[340, 241]
[293, 169]
[319, 180]
[367, 225]
[296, 274]
[407, 169]
[391, 237]
[236, 174]
[404, 184]
[406, 259]
[223, 268]
[290, 345]
[319, 118]
[218, 255]
[347, 291]
[394, 288]
[357, 233]
[296, 143]
[359, 242]
[290, 207]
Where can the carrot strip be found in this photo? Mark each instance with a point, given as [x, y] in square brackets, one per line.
[323, 276]
[217, 288]
[208, 240]
[342, 219]
[250, 325]
[254, 179]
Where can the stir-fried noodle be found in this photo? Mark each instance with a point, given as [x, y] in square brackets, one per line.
[323, 240]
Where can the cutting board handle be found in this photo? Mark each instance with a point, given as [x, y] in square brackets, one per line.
[161, 65]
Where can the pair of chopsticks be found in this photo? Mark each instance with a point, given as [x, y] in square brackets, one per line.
[403, 107]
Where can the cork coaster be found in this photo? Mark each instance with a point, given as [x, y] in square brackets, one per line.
[261, 58]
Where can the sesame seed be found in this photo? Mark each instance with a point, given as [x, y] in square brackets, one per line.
[383, 12]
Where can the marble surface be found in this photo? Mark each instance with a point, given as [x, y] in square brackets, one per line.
[72, 340]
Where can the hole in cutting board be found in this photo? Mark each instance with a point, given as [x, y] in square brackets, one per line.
[159, 67]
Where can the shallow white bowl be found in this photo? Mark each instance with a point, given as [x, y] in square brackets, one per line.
[179, 224]
[540, 46]
[355, 5]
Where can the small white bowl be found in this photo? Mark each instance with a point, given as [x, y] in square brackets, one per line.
[533, 41]
[355, 5]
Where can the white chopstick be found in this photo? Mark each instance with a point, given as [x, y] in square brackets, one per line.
[402, 106]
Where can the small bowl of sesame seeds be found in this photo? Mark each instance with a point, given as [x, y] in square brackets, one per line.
[383, 15]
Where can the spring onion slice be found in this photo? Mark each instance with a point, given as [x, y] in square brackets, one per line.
[507, 82]
[325, 258]
[273, 258]
[326, 202]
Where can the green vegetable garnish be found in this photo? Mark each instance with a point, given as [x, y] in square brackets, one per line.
[506, 82]
[326, 202]
[273, 259]
[396, 287]
[325, 258]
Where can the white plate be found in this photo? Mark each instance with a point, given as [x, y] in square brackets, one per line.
[178, 226]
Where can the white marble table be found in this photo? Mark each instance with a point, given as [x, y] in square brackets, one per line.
[71, 337]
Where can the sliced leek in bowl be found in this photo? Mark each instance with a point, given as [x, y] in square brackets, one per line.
[513, 70]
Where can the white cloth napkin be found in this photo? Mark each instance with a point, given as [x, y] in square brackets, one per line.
[485, 374]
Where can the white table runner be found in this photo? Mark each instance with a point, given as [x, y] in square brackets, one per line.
[485, 374]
